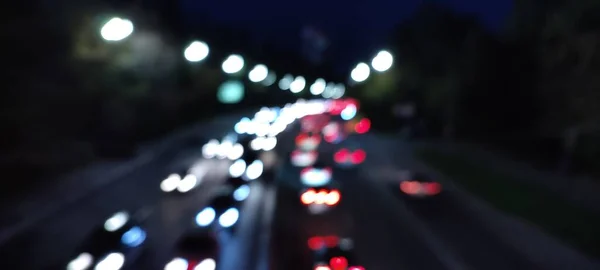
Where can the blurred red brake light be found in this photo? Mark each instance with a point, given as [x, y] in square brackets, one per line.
[338, 263]
[341, 155]
[432, 188]
[316, 243]
[362, 126]
[358, 156]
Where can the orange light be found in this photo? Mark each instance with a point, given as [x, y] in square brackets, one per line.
[308, 196]
[333, 198]
[322, 267]
[321, 197]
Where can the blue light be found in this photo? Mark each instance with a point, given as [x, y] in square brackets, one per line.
[241, 193]
[348, 113]
[133, 237]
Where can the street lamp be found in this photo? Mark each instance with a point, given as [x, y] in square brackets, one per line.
[196, 51]
[116, 29]
[382, 61]
[259, 73]
[318, 87]
[233, 64]
[285, 82]
[360, 73]
[298, 85]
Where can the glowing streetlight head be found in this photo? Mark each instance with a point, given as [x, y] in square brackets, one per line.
[318, 87]
[259, 73]
[360, 73]
[382, 61]
[116, 29]
[233, 64]
[196, 51]
[298, 85]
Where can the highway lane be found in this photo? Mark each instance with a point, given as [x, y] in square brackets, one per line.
[53, 239]
[472, 245]
[382, 238]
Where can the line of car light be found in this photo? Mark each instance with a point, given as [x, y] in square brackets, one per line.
[322, 196]
[419, 188]
[314, 177]
[345, 156]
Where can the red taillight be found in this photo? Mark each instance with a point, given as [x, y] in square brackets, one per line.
[410, 187]
[301, 137]
[341, 156]
[338, 263]
[432, 188]
[358, 156]
[330, 137]
[316, 243]
[362, 126]
[192, 264]
[331, 241]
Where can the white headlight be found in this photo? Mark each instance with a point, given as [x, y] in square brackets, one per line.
[170, 183]
[187, 183]
[238, 168]
[241, 193]
[206, 264]
[82, 262]
[254, 170]
[116, 221]
[113, 261]
[229, 218]
[205, 217]
[177, 264]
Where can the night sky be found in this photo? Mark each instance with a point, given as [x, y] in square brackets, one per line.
[360, 26]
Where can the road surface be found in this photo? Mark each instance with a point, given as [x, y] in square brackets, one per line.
[388, 231]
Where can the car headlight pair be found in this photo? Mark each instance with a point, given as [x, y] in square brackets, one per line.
[112, 261]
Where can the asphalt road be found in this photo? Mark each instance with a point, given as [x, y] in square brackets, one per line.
[388, 231]
[52, 240]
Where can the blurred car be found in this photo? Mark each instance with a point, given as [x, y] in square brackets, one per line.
[226, 149]
[115, 245]
[316, 176]
[263, 143]
[333, 253]
[347, 157]
[223, 208]
[241, 189]
[182, 182]
[308, 141]
[197, 250]
[251, 171]
[300, 158]
[320, 197]
[420, 185]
